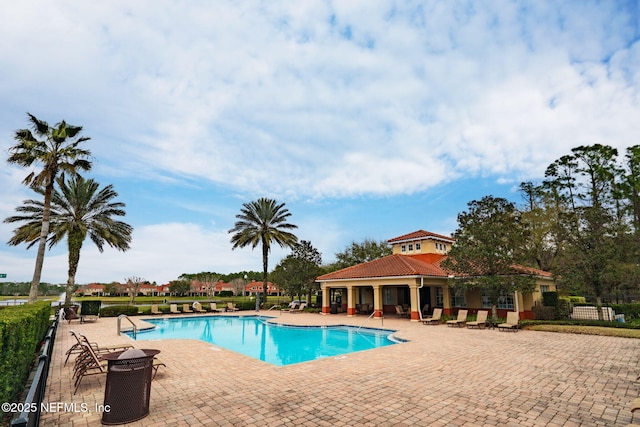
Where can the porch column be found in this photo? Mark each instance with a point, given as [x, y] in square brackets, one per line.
[446, 300]
[351, 306]
[377, 301]
[415, 308]
[326, 305]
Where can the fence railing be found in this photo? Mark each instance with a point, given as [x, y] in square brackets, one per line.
[30, 416]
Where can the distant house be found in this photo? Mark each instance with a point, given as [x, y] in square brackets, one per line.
[412, 276]
[90, 290]
[253, 287]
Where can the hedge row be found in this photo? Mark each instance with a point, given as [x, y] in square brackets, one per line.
[22, 329]
[117, 310]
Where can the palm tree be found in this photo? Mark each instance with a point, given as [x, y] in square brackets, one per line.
[79, 209]
[58, 150]
[259, 223]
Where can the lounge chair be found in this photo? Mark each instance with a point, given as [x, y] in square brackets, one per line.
[400, 311]
[214, 307]
[461, 320]
[512, 323]
[231, 307]
[481, 320]
[186, 308]
[434, 319]
[173, 309]
[197, 307]
[77, 348]
[299, 309]
[154, 309]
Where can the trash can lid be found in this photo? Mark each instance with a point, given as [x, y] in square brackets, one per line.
[132, 353]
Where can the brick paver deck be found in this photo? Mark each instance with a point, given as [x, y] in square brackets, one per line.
[441, 377]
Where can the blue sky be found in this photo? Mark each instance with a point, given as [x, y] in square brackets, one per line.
[368, 119]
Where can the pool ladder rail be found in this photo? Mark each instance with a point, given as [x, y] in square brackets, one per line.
[135, 327]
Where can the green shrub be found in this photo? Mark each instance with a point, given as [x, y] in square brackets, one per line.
[247, 305]
[630, 311]
[22, 328]
[564, 308]
[544, 312]
[550, 299]
[117, 310]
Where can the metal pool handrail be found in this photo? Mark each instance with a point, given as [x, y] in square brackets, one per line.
[135, 328]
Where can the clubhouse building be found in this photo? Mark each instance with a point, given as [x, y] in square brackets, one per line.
[412, 277]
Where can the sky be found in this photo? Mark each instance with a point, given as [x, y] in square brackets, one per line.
[368, 119]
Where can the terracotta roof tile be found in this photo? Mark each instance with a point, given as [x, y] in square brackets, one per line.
[389, 266]
[397, 265]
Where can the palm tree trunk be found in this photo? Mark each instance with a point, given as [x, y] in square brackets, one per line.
[265, 263]
[44, 232]
[75, 239]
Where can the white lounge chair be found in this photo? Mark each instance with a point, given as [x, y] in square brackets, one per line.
[512, 323]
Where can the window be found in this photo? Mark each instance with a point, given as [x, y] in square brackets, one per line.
[505, 300]
[544, 288]
[389, 295]
[458, 297]
[403, 248]
[439, 297]
[410, 246]
[418, 247]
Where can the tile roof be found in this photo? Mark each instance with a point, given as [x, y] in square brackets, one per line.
[420, 234]
[397, 265]
[391, 266]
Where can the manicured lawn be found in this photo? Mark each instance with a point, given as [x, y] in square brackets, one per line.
[589, 330]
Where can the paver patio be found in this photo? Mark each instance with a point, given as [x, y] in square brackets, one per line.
[440, 377]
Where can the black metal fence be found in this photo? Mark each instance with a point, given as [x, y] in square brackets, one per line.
[30, 416]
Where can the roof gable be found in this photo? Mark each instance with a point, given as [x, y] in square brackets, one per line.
[420, 235]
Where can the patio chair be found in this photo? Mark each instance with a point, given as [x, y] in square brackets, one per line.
[154, 309]
[173, 309]
[186, 308]
[214, 307]
[434, 319]
[512, 323]
[231, 307]
[77, 348]
[481, 320]
[197, 307]
[71, 313]
[425, 309]
[460, 321]
[400, 311]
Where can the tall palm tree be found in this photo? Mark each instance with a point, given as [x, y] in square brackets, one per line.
[78, 210]
[57, 150]
[259, 223]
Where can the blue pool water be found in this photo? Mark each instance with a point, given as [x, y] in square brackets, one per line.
[276, 344]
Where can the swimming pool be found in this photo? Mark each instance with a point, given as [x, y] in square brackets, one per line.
[272, 343]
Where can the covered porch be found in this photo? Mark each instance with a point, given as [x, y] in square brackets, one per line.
[380, 297]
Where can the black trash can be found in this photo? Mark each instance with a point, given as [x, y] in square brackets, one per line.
[334, 308]
[126, 395]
